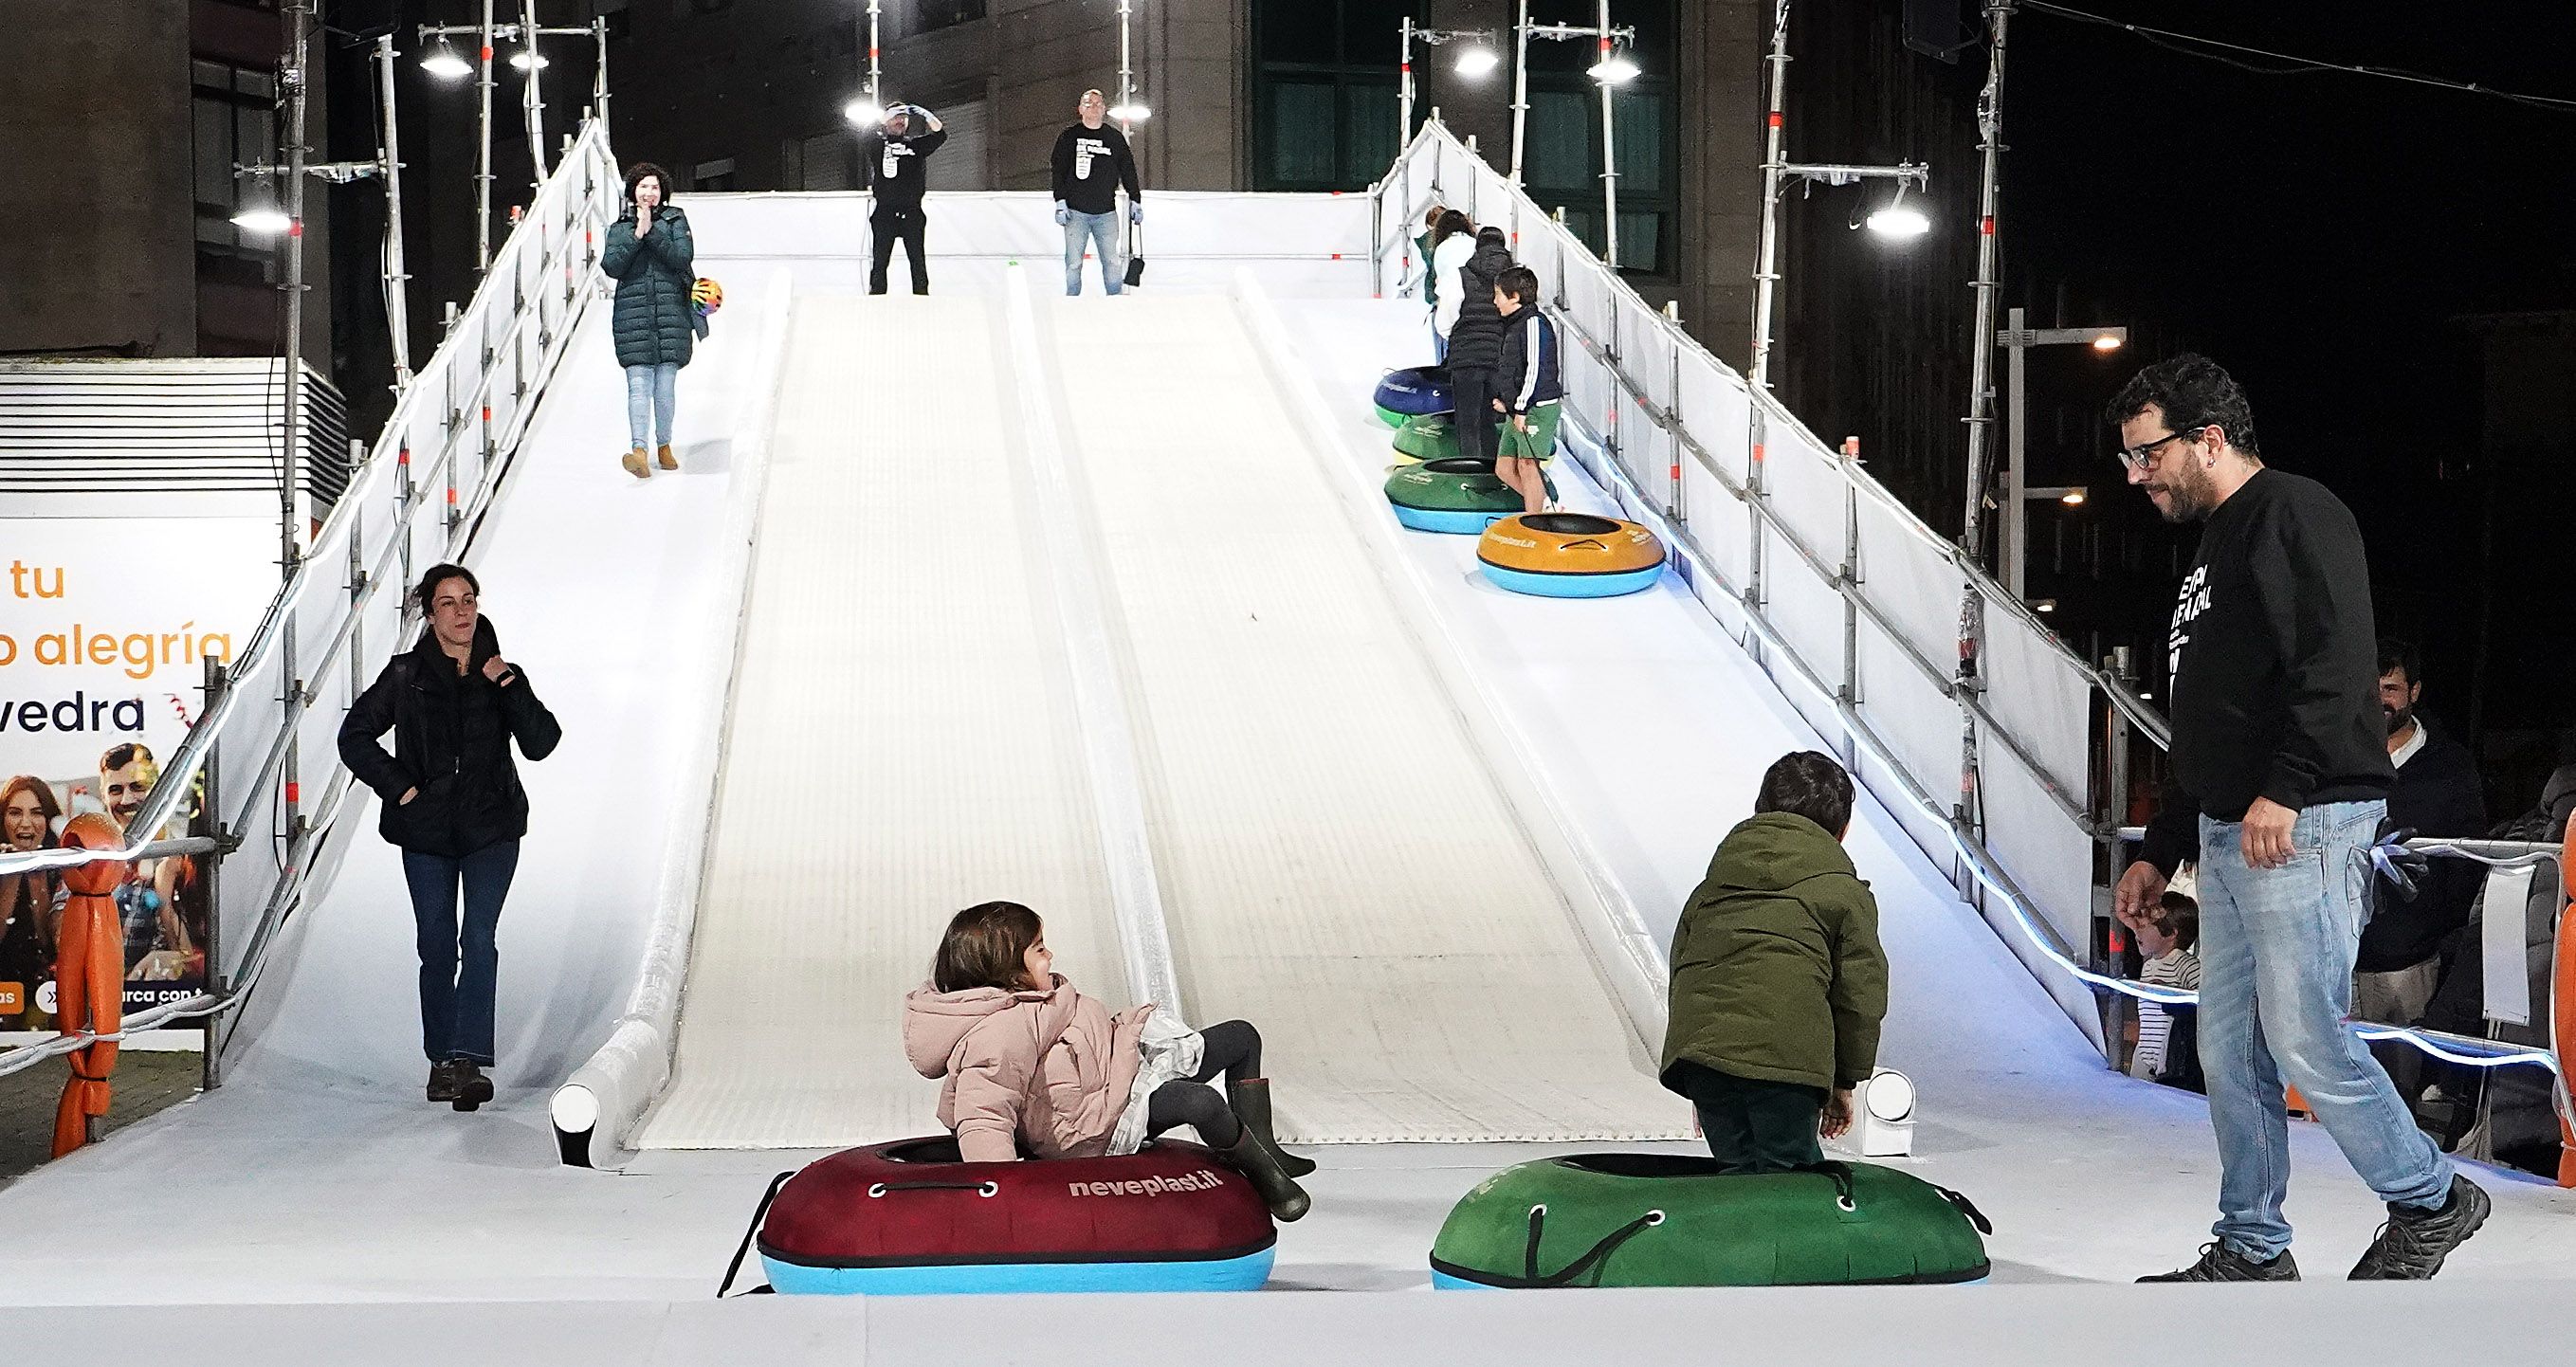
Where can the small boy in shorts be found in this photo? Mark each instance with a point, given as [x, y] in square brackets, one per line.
[1530, 384]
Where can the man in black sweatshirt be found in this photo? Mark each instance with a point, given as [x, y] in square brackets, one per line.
[892, 162]
[1091, 162]
[2281, 779]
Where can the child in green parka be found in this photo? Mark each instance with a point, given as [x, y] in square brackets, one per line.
[1779, 983]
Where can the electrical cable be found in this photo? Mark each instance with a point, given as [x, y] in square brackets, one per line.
[2191, 45]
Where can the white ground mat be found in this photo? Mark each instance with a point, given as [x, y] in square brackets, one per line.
[1338, 864]
[314, 1184]
[898, 745]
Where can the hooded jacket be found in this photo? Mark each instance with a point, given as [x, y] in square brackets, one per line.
[650, 322]
[1476, 339]
[1777, 970]
[452, 735]
[1052, 1068]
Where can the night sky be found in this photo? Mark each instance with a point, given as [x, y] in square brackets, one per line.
[2320, 235]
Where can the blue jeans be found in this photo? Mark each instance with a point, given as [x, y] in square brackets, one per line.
[651, 390]
[1102, 230]
[459, 971]
[2276, 954]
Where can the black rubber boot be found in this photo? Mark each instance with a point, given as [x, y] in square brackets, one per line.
[2412, 1245]
[1288, 1201]
[1250, 1099]
[442, 1080]
[2219, 1263]
[472, 1088]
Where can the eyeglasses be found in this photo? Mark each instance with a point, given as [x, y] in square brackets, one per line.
[2142, 457]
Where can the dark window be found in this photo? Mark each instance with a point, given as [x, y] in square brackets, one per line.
[1324, 103]
[1561, 159]
[234, 122]
[939, 14]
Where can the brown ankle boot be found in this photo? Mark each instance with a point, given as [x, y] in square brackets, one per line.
[669, 461]
[634, 463]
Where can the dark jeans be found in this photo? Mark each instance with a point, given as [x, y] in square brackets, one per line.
[1471, 389]
[459, 967]
[1234, 1049]
[892, 225]
[1752, 1125]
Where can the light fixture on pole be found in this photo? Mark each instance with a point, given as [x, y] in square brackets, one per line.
[1614, 68]
[2017, 338]
[1895, 221]
[1898, 220]
[1129, 111]
[1475, 60]
[442, 62]
[262, 217]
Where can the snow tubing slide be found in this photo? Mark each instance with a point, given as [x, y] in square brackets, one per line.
[908, 1218]
[1454, 495]
[1431, 436]
[1411, 392]
[1570, 555]
[1631, 1219]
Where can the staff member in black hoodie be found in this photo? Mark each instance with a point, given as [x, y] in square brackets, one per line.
[1476, 348]
[1092, 160]
[2281, 780]
[892, 162]
[452, 801]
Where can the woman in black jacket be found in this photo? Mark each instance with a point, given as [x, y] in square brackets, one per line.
[1476, 347]
[452, 801]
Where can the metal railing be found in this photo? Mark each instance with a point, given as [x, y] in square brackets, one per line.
[415, 501]
[1845, 594]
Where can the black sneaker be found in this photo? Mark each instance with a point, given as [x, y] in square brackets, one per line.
[2219, 1263]
[472, 1088]
[2412, 1245]
[442, 1081]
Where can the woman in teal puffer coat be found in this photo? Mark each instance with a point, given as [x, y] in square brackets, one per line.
[654, 263]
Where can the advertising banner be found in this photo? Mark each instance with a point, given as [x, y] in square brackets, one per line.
[105, 627]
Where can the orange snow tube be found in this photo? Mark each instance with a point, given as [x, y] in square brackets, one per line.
[89, 977]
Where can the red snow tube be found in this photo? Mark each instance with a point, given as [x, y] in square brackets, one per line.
[908, 1218]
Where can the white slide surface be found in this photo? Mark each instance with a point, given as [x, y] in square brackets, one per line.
[899, 745]
[1338, 863]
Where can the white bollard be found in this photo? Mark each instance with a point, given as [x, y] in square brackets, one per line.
[1883, 1115]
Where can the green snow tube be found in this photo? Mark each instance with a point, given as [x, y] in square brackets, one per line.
[1634, 1219]
[1454, 495]
[1431, 436]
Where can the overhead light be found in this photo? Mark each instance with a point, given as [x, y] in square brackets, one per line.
[443, 62]
[864, 112]
[1616, 67]
[264, 220]
[2109, 341]
[2044, 605]
[1898, 220]
[2072, 498]
[1131, 113]
[1478, 60]
[526, 57]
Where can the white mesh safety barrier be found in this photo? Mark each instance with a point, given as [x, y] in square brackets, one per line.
[1846, 596]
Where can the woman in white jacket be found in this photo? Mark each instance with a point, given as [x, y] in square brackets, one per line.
[1453, 241]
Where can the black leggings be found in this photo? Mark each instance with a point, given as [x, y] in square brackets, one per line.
[1234, 1049]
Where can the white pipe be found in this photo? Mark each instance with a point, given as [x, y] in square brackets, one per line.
[532, 105]
[397, 280]
[1766, 276]
[1609, 154]
[483, 154]
[1520, 89]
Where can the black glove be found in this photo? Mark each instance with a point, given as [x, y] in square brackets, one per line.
[2405, 869]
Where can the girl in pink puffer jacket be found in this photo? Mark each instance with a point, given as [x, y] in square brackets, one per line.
[1029, 1061]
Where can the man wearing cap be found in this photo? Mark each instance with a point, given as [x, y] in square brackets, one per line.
[893, 160]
